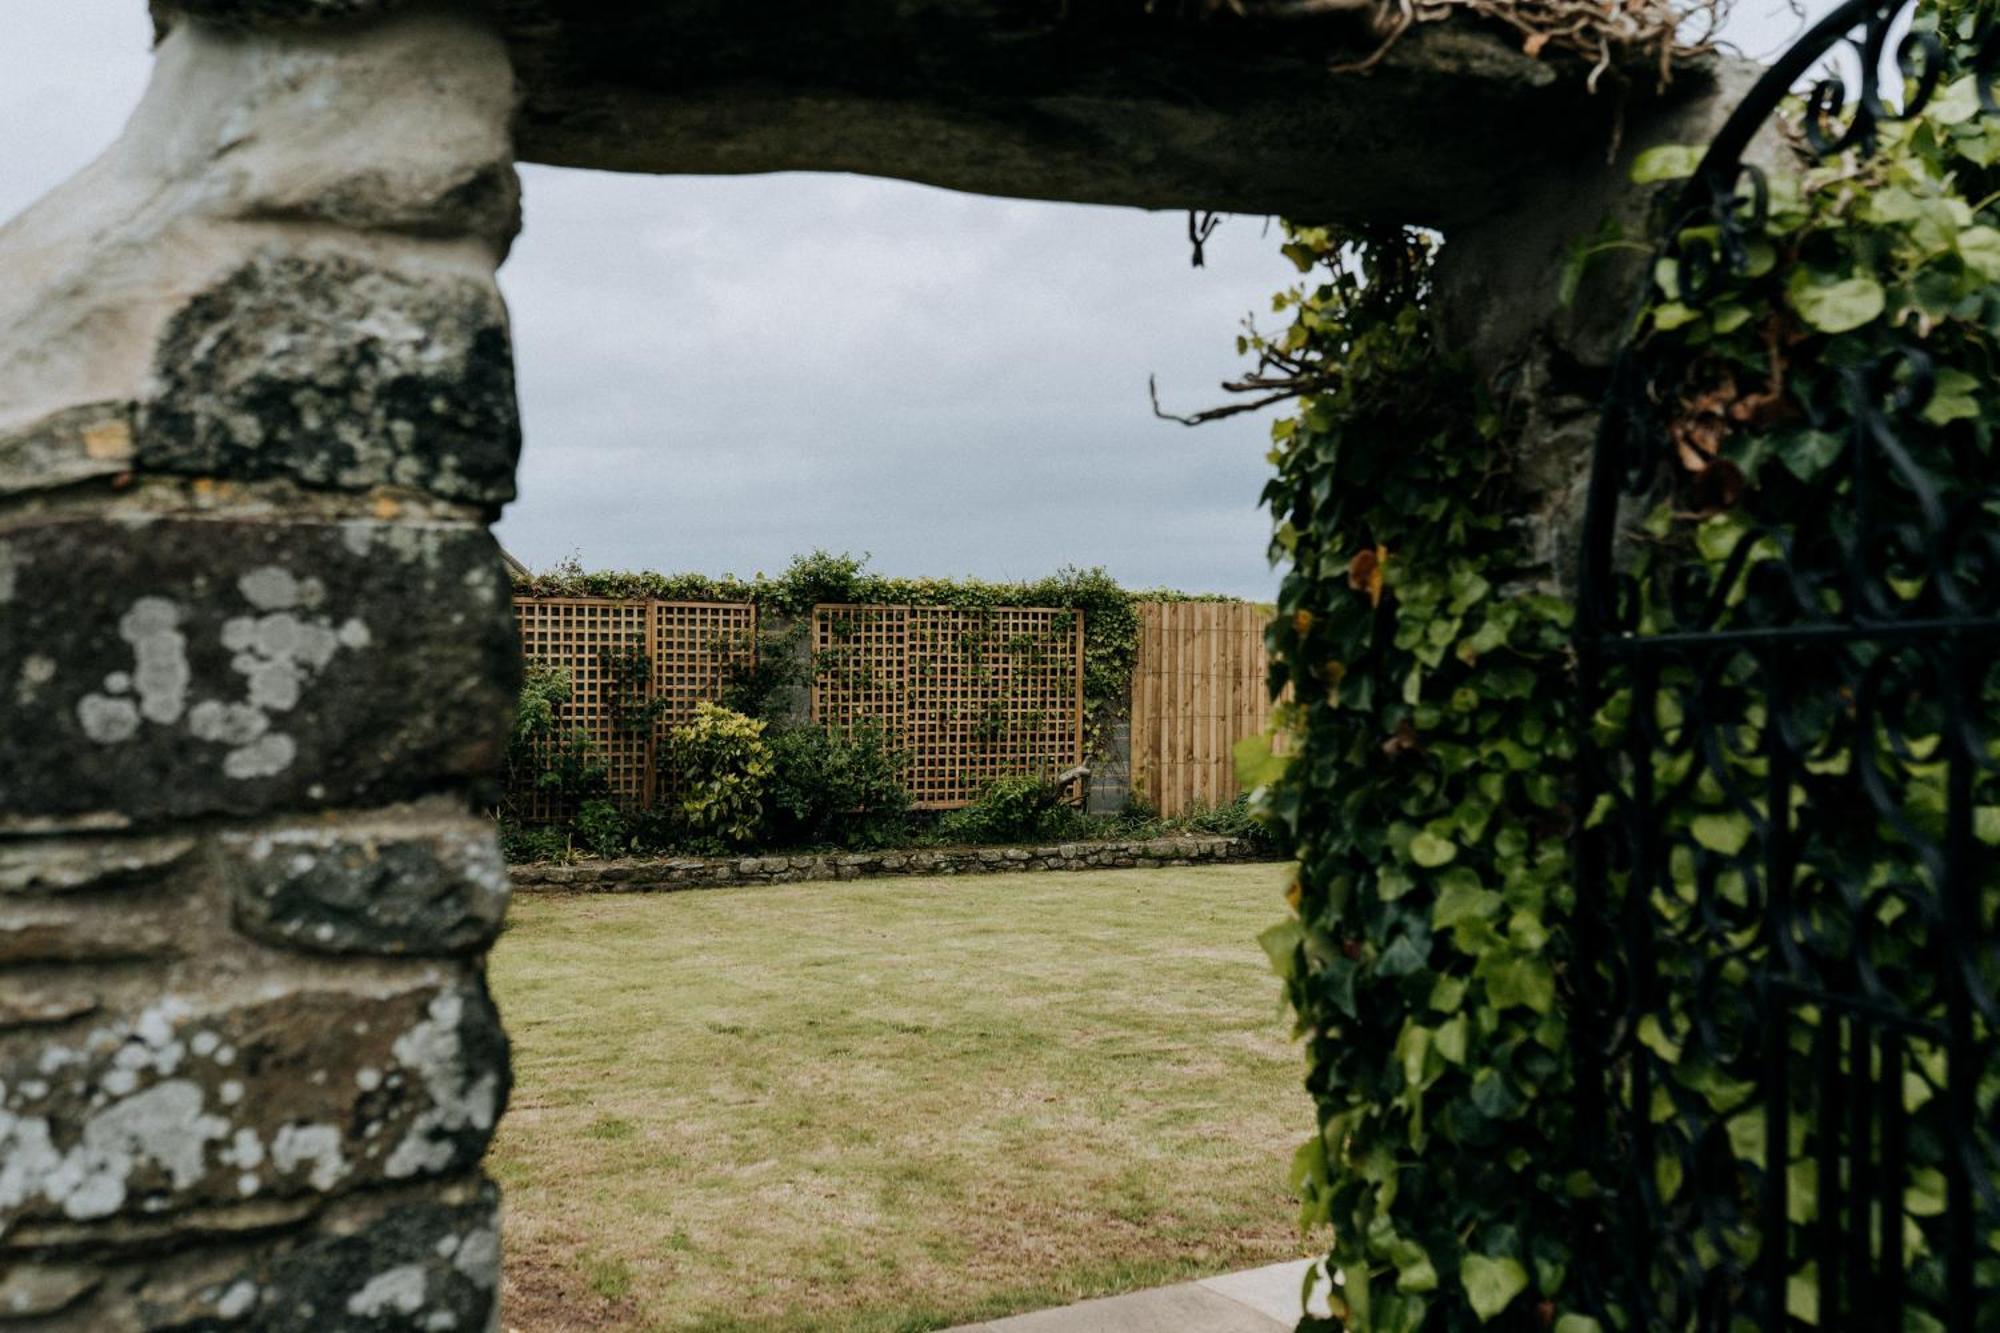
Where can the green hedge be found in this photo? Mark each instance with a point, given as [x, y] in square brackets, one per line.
[1110, 614]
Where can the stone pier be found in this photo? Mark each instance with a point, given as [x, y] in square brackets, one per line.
[256, 411]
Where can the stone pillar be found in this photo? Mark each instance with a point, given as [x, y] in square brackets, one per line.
[256, 659]
[1548, 362]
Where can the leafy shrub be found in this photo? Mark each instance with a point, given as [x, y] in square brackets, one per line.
[831, 789]
[719, 763]
[1235, 819]
[1025, 808]
[532, 842]
[603, 828]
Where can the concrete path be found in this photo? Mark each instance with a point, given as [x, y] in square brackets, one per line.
[1261, 1300]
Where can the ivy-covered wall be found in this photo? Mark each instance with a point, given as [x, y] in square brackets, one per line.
[1431, 955]
[1110, 615]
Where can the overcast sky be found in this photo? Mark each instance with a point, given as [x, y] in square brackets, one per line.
[718, 373]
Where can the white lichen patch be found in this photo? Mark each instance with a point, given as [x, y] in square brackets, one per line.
[236, 1301]
[163, 1125]
[479, 1257]
[106, 720]
[317, 1145]
[37, 670]
[277, 650]
[152, 627]
[399, 1290]
[433, 1051]
[262, 758]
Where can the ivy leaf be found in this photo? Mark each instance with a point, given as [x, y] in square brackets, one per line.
[1518, 980]
[1281, 944]
[1953, 399]
[1807, 453]
[1958, 103]
[1428, 850]
[1724, 831]
[1836, 307]
[1491, 1284]
[1256, 764]
[1671, 315]
[1667, 162]
[1979, 247]
[1578, 1323]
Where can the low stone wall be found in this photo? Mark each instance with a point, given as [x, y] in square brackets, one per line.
[662, 874]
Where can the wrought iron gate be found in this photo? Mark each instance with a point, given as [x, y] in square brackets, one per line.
[1789, 950]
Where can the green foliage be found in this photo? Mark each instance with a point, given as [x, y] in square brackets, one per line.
[1110, 614]
[1425, 800]
[1863, 265]
[532, 842]
[603, 828]
[718, 764]
[545, 755]
[1232, 819]
[776, 674]
[1016, 809]
[828, 790]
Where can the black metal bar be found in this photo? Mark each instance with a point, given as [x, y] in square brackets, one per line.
[1889, 1277]
[1827, 1248]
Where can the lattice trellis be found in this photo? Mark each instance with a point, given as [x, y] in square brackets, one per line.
[966, 695]
[688, 650]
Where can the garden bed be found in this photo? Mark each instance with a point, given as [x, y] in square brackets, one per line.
[669, 873]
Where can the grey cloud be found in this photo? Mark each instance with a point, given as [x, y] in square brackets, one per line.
[719, 373]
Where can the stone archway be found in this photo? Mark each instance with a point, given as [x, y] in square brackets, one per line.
[256, 656]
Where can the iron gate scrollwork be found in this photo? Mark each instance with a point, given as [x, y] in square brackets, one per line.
[1787, 943]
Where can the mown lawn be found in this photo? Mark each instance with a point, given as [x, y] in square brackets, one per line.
[891, 1105]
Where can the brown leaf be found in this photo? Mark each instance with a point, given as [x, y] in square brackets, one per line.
[1403, 741]
[1364, 572]
[1535, 42]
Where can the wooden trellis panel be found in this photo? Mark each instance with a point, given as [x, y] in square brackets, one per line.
[968, 696]
[690, 647]
[1197, 689]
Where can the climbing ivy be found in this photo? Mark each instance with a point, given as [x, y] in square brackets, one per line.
[1426, 793]
[1425, 798]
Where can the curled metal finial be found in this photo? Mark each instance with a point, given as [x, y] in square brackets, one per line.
[1201, 226]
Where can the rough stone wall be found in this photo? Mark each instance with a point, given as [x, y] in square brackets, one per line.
[1547, 362]
[256, 411]
[666, 874]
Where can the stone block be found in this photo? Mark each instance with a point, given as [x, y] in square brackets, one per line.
[159, 667]
[61, 865]
[395, 885]
[337, 372]
[274, 1088]
[395, 1260]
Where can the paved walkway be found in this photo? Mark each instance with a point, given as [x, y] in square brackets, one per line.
[1261, 1300]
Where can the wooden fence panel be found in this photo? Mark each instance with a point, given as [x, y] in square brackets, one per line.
[967, 695]
[673, 654]
[1197, 689]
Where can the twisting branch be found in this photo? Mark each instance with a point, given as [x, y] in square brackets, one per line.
[1201, 226]
[1275, 391]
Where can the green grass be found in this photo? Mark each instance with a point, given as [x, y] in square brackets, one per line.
[890, 1106]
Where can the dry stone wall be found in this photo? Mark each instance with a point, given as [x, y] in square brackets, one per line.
[256, 411]
[664, 874]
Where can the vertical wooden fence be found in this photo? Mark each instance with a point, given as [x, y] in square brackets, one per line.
[1197, 689]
